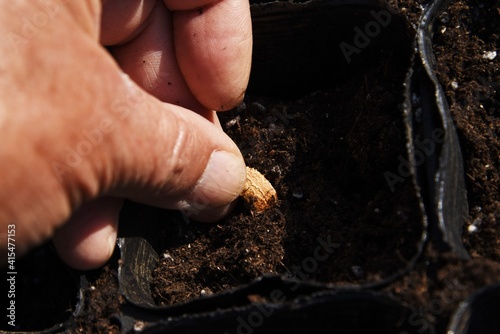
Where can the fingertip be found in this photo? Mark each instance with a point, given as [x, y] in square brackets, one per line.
[88, 239]
[214, 51]
[212, 215]
[220, 184]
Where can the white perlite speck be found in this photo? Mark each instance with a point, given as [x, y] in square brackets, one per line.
[489, 55]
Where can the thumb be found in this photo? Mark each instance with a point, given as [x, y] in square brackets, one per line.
[157, 154]
[164, 155]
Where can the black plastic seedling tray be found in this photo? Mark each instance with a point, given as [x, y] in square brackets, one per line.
[300, 48]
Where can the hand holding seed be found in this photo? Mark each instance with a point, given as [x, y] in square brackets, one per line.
[258, 193]
[141, 129]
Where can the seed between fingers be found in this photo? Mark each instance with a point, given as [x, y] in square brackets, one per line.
[258, 192]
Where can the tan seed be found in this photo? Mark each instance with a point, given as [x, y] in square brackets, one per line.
[258, 193]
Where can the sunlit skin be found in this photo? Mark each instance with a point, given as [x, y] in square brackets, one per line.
[84, 126]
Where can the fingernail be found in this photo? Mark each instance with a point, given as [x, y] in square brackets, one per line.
[221, 182]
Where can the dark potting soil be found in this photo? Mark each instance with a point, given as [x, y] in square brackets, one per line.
[101, 301]
[467, 42]
[326, 153]
[466, 37]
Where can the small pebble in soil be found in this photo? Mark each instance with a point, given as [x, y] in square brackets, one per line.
[232, 122]
[490, 55]
[472, 228]
[139, 326]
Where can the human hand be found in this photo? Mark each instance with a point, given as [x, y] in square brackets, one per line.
[79, 136]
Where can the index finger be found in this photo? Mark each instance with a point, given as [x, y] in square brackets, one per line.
[213, 43]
